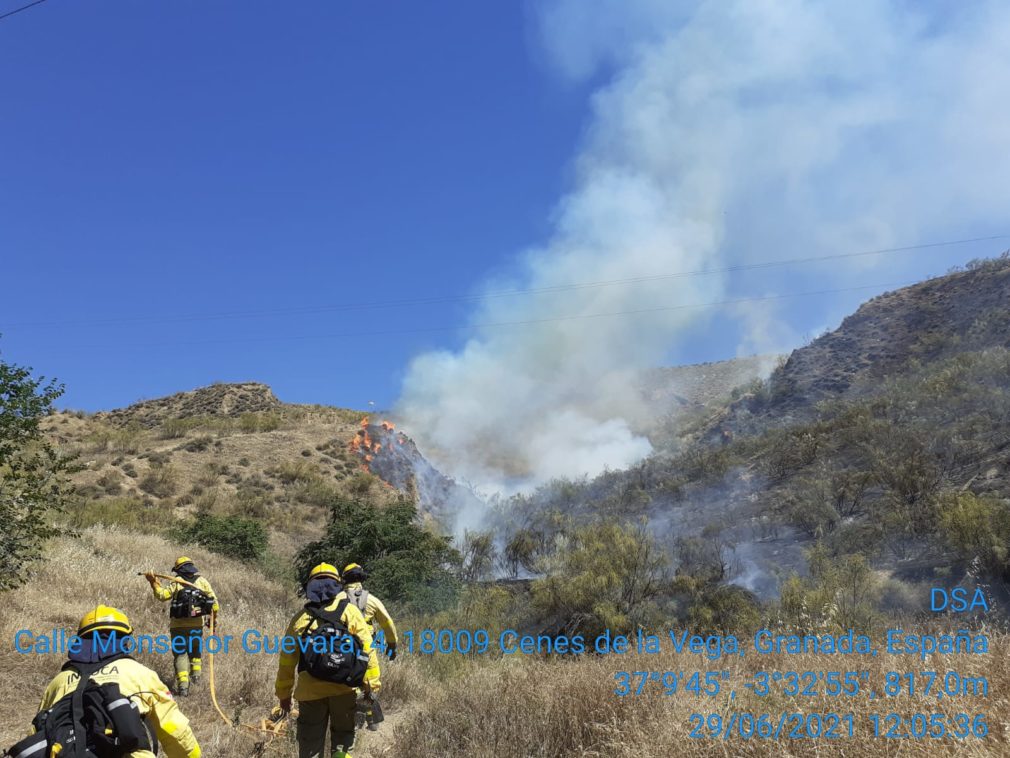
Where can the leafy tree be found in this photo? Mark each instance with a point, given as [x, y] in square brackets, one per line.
[406, 563]
[33, 473]
[237, 537]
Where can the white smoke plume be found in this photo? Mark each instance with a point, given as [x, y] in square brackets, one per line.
[722, 132]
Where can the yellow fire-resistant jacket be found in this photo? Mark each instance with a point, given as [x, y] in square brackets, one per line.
[374, 612]
[308, 687]
[165, 594]
[153, 699]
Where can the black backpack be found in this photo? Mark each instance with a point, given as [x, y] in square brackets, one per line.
[93, 721]
[344, 660]
[190, 602]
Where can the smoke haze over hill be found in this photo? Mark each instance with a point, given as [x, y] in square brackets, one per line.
[721, 134]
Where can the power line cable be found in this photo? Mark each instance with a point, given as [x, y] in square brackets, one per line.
[501, 324]
[309, 310]
[22, 8]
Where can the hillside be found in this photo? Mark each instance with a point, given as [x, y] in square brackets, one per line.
[887, 337]
[224, 450]
[887, 439]
[694, 386]
[236, 449]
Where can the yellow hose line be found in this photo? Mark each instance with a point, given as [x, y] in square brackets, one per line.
[210, 673]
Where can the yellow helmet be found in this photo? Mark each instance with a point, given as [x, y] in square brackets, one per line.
[104, 618]
[324, 569]
[181, 560]
[353, 573]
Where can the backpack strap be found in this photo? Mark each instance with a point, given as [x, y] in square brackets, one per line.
[361, 599]
[85, 670]
[333, 617]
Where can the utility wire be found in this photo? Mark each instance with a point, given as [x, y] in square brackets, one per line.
[22, 8]
[500, 324]
[308, 310]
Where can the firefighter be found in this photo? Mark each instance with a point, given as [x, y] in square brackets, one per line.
[323, 704]
[376, 615]
[187, 614]
[99, 630]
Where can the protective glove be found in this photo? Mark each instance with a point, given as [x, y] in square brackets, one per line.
[285, 704]
[391, 651]
[152, 579]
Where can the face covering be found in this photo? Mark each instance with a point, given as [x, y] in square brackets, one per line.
[97, 647]
[322, 590]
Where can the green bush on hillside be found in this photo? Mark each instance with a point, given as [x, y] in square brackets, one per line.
[977, 527]
[407, 564]
[244, 539]
[602, 576]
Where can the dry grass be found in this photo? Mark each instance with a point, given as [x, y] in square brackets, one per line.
[451, 706]
[568, 708]
[101, 567]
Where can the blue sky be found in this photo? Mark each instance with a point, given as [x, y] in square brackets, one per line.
[181, 159]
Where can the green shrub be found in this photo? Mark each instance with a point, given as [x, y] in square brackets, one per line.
[407, 564]
[603, 576]
[197, 444]
[977, 527]
[361, 483]
[237, 537]
[128, 512]
[726, 609]
[174, 428]
[160, 481]
[841, 593]
[111, 482]
[290, 472]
